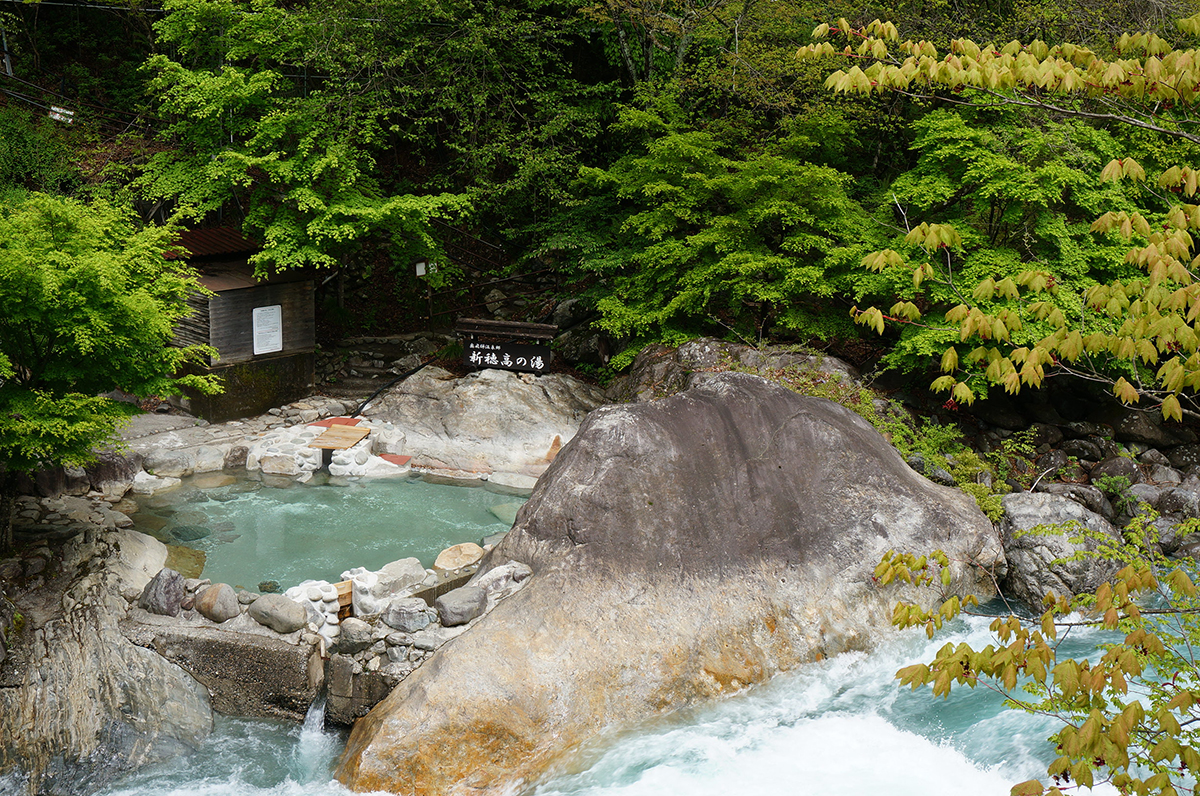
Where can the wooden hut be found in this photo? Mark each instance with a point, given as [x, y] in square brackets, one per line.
[263, 330]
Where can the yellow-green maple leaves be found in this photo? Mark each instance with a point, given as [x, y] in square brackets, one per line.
[1126, 713]
[1138, 331]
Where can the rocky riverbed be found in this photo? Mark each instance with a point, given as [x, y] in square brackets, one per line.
[681, 548]
[110, 659]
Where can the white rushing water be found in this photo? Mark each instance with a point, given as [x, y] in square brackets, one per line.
[841, 727]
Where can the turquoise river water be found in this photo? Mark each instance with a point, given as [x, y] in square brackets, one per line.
[841, 727]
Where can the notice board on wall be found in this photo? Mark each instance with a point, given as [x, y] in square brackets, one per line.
[268, 329]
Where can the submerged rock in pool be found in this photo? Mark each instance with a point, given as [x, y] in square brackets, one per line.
[681, 549]
[506, 512]
[189, 533]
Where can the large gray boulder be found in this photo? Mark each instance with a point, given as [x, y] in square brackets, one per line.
[1042, 558]
[80, 704]
[659, 370]
[681, 549]
[113, 471]
[488, 421]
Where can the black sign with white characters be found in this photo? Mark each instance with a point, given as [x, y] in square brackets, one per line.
[507, 356]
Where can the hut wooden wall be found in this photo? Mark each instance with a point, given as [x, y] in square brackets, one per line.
[231, 327]
[193, 329]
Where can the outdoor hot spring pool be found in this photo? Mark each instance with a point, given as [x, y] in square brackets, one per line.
[251, 531]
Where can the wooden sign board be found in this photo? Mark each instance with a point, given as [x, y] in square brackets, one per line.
[339, 437]
[507, 356]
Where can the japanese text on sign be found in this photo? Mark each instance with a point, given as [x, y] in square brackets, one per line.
[507, 356]
[268, 329]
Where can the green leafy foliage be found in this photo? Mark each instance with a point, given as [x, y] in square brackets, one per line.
[87, 306]
[331, 124]
[34, 156]
[686, 237]
[1127, 320]
[300, 166]
[1126, 716]
[1116, 489]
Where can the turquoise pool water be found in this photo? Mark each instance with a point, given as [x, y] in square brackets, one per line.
[253, 532]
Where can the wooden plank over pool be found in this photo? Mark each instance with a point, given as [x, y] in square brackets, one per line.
[338, 437]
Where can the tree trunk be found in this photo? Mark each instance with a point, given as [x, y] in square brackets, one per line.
[8, 504]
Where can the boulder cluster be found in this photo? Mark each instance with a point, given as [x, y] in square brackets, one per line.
[399, 615]
[375, 652]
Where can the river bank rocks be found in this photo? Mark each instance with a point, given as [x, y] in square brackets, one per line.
[681, 549]
[371, 593]
[81, 705]
[256, 657]
[488, 421]
[491, 425]
[375, 653]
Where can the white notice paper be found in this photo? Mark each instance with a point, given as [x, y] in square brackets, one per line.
[268, 329]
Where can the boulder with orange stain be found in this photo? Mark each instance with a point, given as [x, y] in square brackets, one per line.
[681, 549]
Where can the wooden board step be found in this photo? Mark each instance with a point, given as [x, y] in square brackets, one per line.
[339, 437]
[395, 458]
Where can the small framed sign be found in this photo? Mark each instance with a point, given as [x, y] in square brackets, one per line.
[268, 329]
[507, 356]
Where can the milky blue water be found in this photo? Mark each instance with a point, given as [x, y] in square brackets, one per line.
[253, 533]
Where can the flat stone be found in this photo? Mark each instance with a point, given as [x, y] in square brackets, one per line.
[511, 484]
[279, 464]
[460, 606]
[458, 556]
[213, 481]
[190, 533]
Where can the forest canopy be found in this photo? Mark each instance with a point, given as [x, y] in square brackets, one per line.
[675, 165]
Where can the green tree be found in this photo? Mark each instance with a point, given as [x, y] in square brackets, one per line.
[686, 236]
[87, 305]
[1010, 195]
[1139, 332]
[329, 125]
